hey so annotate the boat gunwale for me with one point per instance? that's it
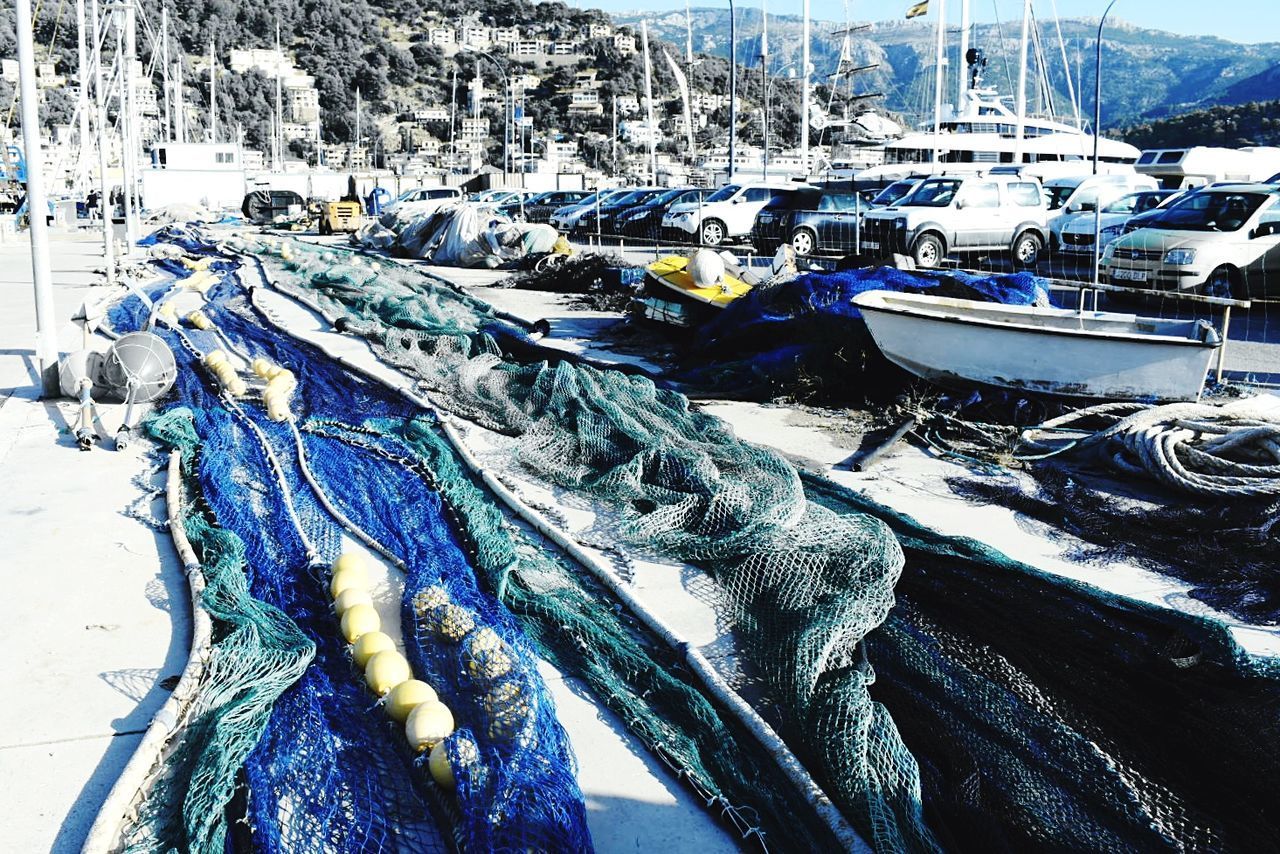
(924, 313)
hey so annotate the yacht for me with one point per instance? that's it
(983, 133)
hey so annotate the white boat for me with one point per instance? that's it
(1090, 354)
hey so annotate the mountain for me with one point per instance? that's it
(1234, 126)
(1147, 74)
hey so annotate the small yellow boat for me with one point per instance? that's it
(672, 273)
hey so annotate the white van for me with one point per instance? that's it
(1083, 193)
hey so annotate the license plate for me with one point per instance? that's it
(870, 244)
(1129, 275)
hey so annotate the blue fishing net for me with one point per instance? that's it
(330, 771)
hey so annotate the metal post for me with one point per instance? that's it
(733, 88)
(129, 159)
(1097, 121)
(648, 99)
(962, 75)
(1222, 348)
(37, 204)
(213, 92)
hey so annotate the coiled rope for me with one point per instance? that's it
(1193, 447)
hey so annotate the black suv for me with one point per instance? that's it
(645, 220)
(812, 221)
(539, 208)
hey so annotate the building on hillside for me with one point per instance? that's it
(442, 36)
(504, 35)
(628, 105)
(597, 31)
(640, 132)
(304, 105)
(431, 114)
(525, 81)
(475, 129)
(476, 37)
(624, 43)
(563, 48)
(527, 48)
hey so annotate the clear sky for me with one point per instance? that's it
(1238, 20)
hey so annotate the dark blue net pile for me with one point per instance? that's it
(331, 772)
(806, 339)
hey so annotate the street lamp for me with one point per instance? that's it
(1097, 133)
(506, 112)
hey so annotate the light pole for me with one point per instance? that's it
(37, 204)
(1097, 132)
(506, 112)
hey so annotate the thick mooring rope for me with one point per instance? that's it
(1193, 447)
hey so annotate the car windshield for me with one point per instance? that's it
(1127, 204)
(667, 196)
(724, 193)
(893, 192)
(1058, 196)
(441, 193)
(1212, 211)
(936, 193)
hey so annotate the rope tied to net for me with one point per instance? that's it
(1223, 451)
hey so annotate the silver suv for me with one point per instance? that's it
(962, 213)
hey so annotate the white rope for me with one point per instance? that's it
(1193, 447)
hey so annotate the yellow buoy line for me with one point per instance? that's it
(428, 723)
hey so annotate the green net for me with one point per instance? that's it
(802, 585)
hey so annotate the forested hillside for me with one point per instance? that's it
(1257, 123)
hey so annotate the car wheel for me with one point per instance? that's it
(804, 241)
(1026, 249)
(712, 232)
(1224, 281)
(928, 251)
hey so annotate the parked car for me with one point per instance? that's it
(645, 221)
(566, 217)
(895, 192)
(1223, 240)
(494, 196)
(1073, 235)
(813, 221)
(962, 213)
(436, 195)
(599, 218)
(727, 214)
(1085, 193)
(540, 207)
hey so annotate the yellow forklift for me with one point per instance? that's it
(344, 215)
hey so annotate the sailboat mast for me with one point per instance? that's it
(962, 63)
(804, 88)
(100, 118)
(82, 162)
(764, 81)
(167, 84)
(280, 102)
(688, 35)
(940, 59)
(213, 93)
(648, 101)
(1020, 131)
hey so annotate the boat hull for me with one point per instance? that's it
(949, 345)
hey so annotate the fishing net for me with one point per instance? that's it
(1047, 715)
(329, 771)
(806, 585)
(804, 339)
